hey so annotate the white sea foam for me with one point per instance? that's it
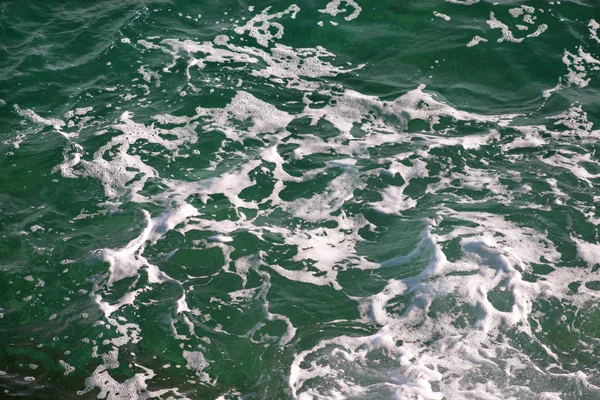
(495, 254)
(508, 35)
(333, 8)
(463, 2)
(134, 387)
(259, 27)
(440, 323)
(282, 62)
(576, 120)
(572, 162)
(264, 116)
(531, 138)
(594, 26)
(197, 362)
(442, 16)
(578, 66)
(393, 199)
(56, 123)
(588, 252)
(475, 41)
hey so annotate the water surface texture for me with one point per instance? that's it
(345, 199)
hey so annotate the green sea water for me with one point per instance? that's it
(300, 200)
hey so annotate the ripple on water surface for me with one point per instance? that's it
(347, 199)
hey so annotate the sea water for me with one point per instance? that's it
(336, 199)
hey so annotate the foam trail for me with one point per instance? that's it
(396, 209)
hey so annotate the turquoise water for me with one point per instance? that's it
(312, 200)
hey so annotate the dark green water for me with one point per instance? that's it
(310, 200)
